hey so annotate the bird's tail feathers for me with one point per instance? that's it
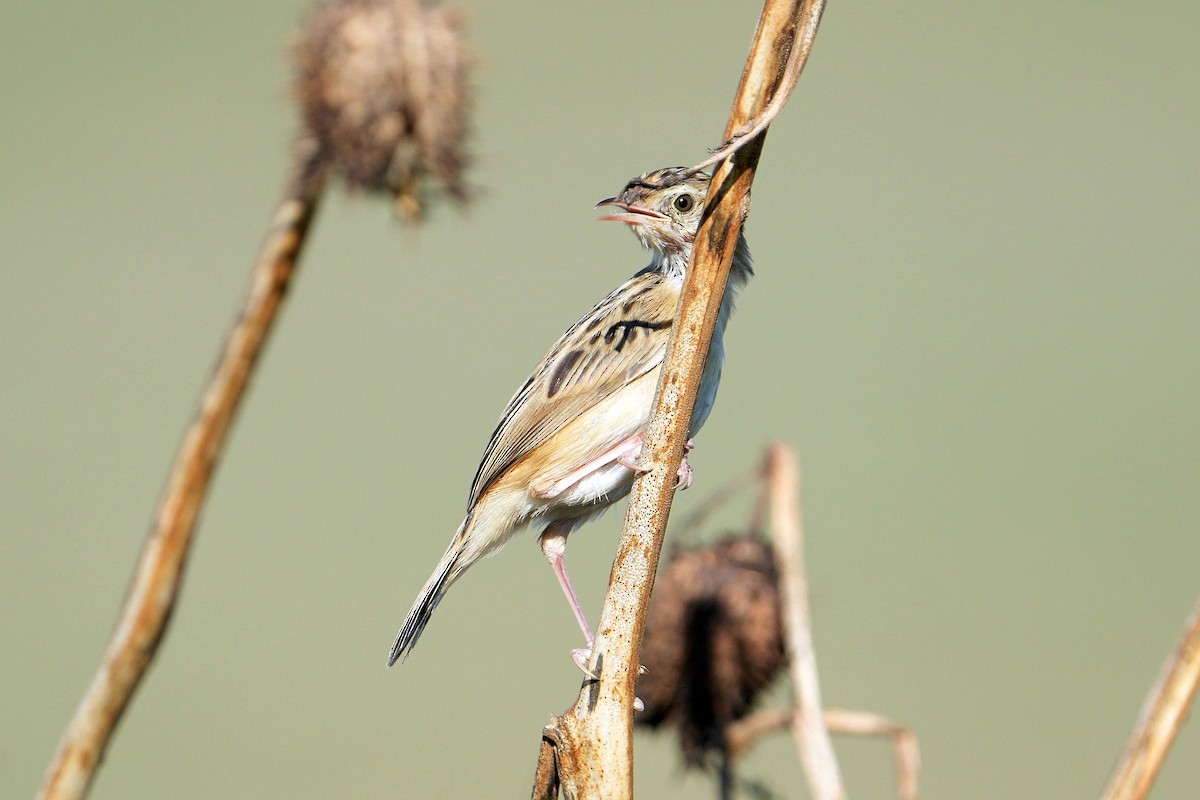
(448, 569)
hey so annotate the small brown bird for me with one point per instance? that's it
(567, 446)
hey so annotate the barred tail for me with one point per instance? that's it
(431, 595)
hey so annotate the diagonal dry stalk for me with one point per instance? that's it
(589, 749)
(156, 580)
(777, 475)
(1162, 716)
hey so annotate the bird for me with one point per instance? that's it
(567, 445)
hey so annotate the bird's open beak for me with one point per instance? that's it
(629, 213)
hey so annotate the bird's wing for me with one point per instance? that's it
(622, 338)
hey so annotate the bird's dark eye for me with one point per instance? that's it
(684, 203)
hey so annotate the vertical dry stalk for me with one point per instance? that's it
(156, 580)
(594, 739)
(1164, 713)
(808, 723)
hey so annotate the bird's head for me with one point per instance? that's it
(662, 207)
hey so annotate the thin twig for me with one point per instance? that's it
(155, 586)
(743, 734)
(1163, 714)
(808, 17)
(595, 738)
(808, 725)
(904, 743)
(718, 498)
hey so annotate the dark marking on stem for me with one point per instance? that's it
(717, 238)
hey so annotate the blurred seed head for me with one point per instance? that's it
(713, 642)
(383, 88)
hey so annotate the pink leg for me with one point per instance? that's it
(631, 453)
(624, 453)
(553, 542)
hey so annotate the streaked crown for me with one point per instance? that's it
(664, 208)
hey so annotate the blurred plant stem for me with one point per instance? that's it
(157, 577)
(588, 751)
(810, 722)
(1162, 716)
(382, 87)
(807, 722)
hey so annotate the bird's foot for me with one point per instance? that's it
(630, 462)
(685, 474)
(682, 480)
(581, 656)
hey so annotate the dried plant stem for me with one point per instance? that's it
(808, 19)
(904, 743)
(156, 581)
(594, 739)
(1163, 714)
(808, 724)
(781, 497)
(545, 777)
(741, 736)
(745, 733)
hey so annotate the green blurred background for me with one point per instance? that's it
(976, 232)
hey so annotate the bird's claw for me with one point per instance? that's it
(581, 656)
(684, 479)
(630, 463)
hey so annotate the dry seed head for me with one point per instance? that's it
(713, 641)
(383, 87)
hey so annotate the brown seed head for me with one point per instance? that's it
(713, 642)
(383, 87)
